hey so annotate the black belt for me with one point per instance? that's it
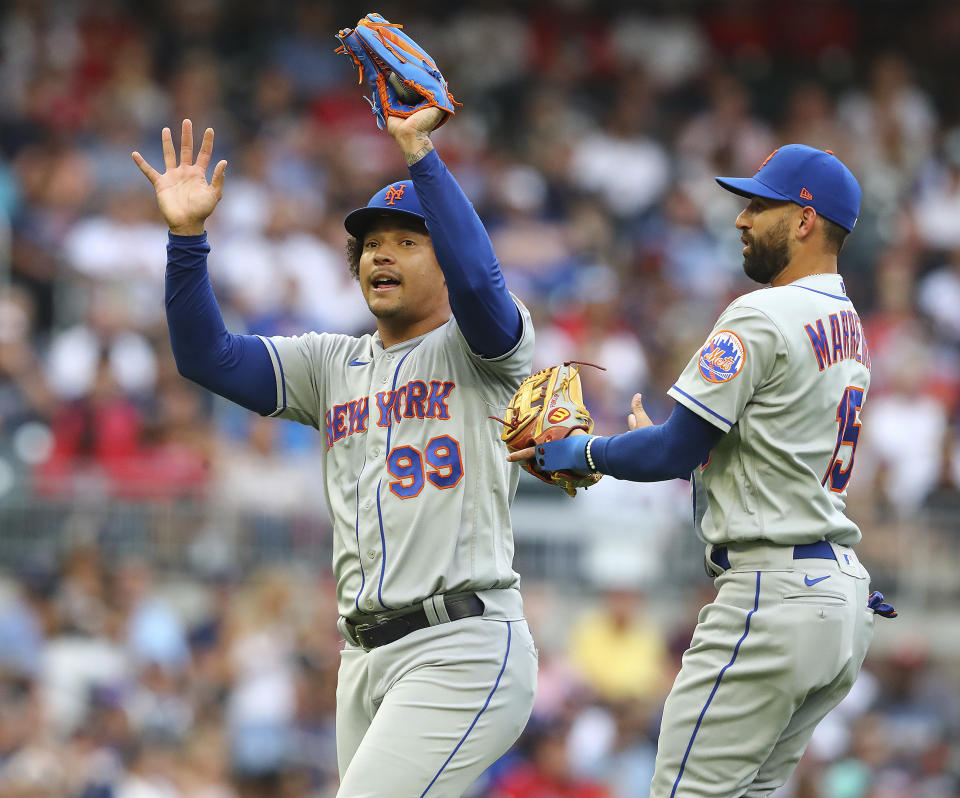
(389, 630)
(821, 550)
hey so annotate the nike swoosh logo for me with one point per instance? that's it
(808, 581)
(358, 362)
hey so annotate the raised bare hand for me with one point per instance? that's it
(185, 197)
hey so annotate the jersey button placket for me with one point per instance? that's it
(376, 441)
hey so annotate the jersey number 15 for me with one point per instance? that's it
(848, 416)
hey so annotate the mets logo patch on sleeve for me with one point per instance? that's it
(722, 357)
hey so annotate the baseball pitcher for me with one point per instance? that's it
(438, 669)
(766, 426)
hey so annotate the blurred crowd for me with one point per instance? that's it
(118, 683)
(588, 140)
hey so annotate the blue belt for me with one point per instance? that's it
(821, 550)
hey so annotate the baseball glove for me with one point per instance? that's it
(403, 77)
(548, 406)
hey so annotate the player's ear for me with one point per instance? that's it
(805, 222)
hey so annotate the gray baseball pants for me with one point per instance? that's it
(427, 714)
(777, 650)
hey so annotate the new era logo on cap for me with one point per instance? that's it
(807, 176)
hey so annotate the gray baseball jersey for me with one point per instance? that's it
(785, 373)
(419, 493)
(414, 471)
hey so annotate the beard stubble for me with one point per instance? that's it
(769, 256)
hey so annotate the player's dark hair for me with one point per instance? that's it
(834, 235)
(354, 250)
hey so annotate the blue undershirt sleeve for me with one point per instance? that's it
(485, 312)
(650, 454)
(236, 367)
(671, 450)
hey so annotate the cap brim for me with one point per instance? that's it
(359, 220)
(750, 187)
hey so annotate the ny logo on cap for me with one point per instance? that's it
(394, 193)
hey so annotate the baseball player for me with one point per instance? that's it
(438, 670)
(766, 426)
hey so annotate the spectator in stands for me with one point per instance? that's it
(620, 651)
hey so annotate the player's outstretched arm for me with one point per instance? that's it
(647, 453)
(486, 313)
(236, 367)
(410, 98)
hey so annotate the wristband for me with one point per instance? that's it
(589, 456)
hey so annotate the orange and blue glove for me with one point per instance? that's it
(403, 76)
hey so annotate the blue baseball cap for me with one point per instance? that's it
(396, 199)
(806, 176)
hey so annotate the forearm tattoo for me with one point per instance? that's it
(423, 146)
